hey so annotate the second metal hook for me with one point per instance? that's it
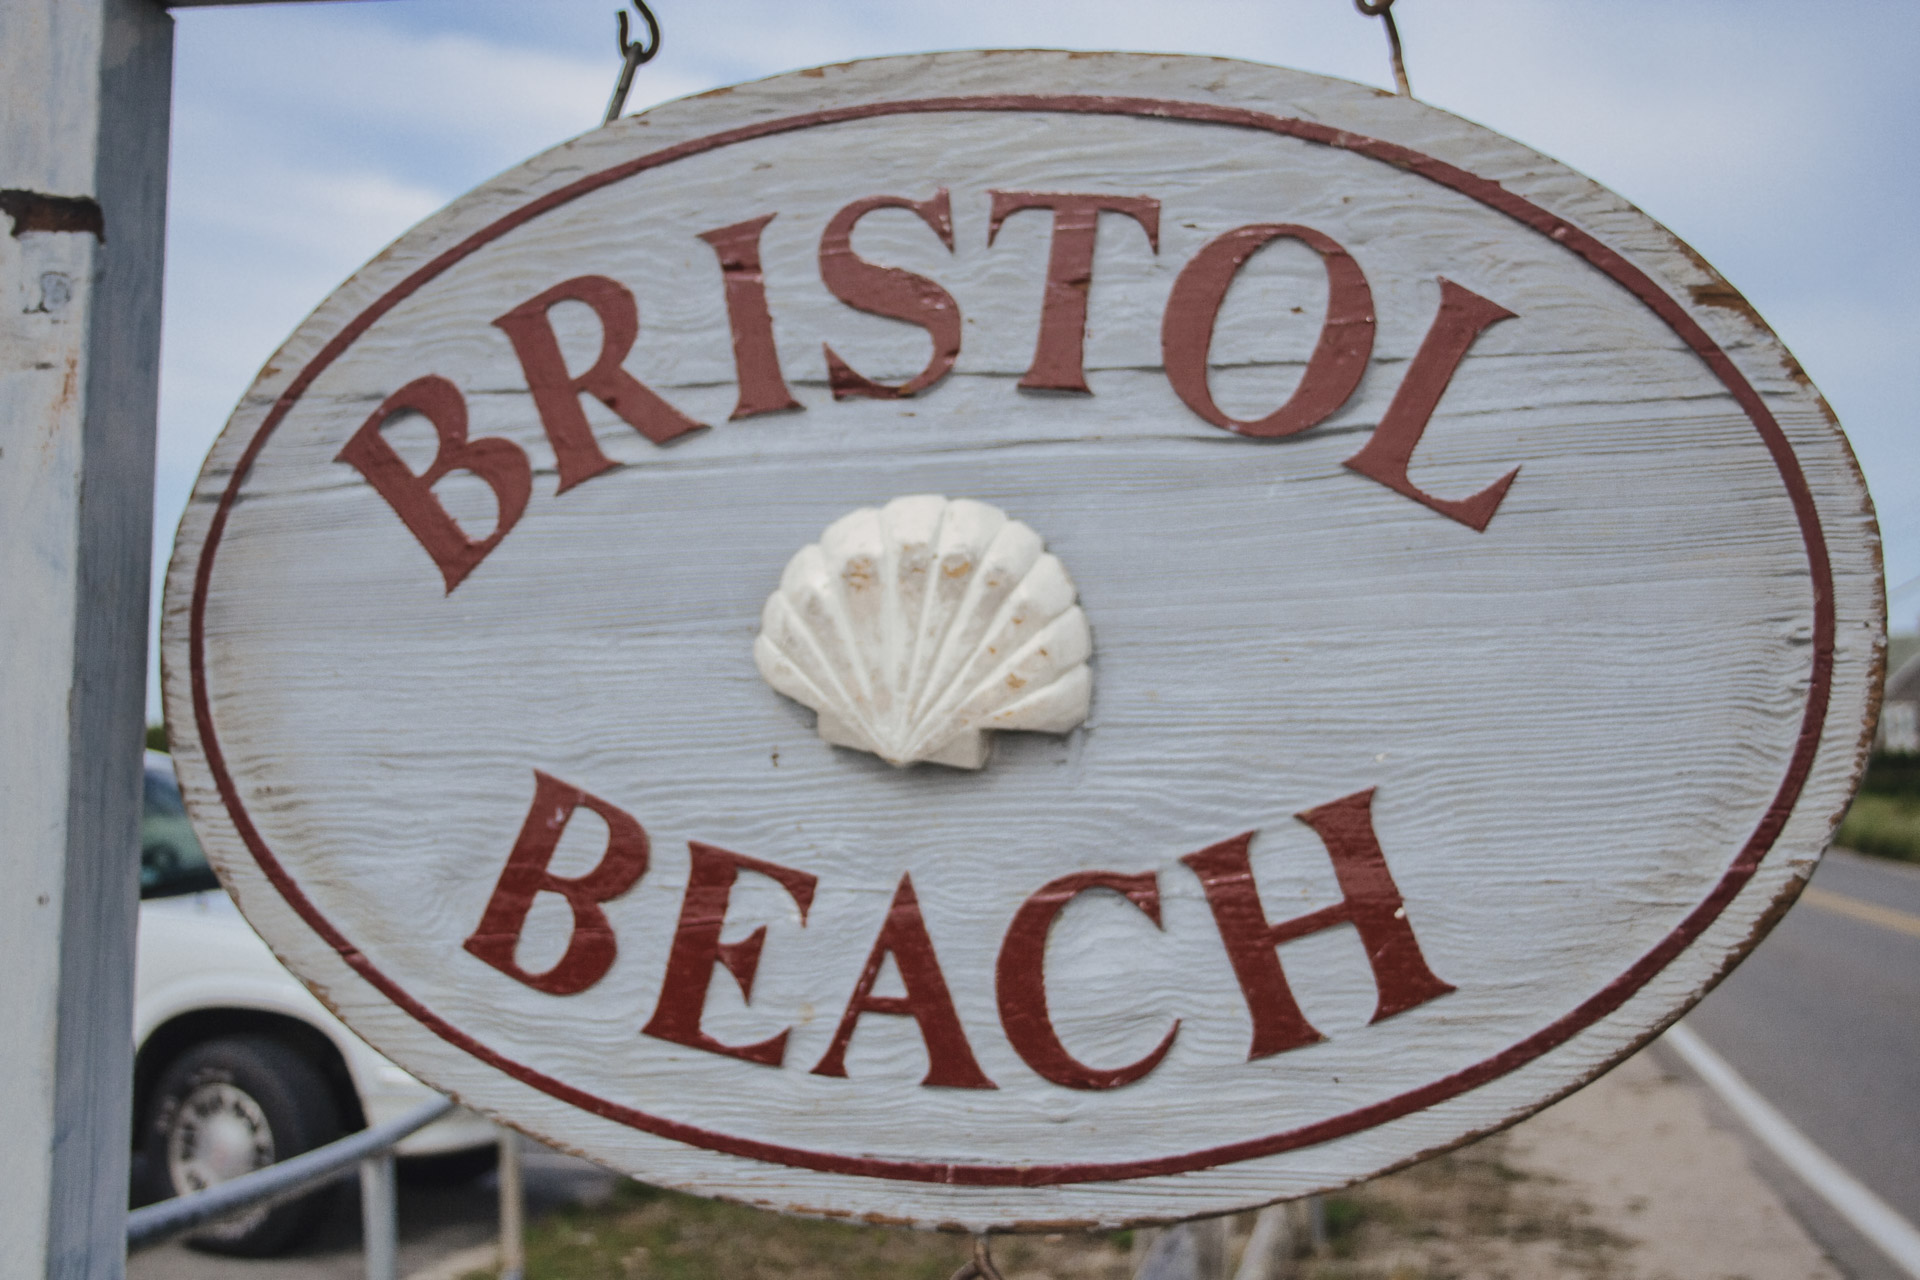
(980, 1266)
(632, 53)
(1383, 10)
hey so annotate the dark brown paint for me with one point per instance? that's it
(1338, 361)
(500, 463)
(950, 1061)
(591, 950)
(1020, 981)
(556, 393)
(697, 949)
(756, 360)
(1463, 316)
(892, 292)
(1370, 902)
(37, 211)
(1059, 353)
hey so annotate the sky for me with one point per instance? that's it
(1776, 137)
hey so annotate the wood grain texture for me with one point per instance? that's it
(1574, 723)
(84, 89)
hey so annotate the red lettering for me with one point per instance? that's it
(950, 1061)
(697, 949)
(890, 292)
(1059, 355)
(1337, 363)
(1370, 902)
(556, 393)
(500, 463)
(591, 949)
(1020, 981)
(1463, 316)
(756, 361)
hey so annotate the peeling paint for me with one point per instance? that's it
(37, 211)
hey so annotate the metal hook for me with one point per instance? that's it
(633, 54)
(1383, 9)
(980, 1265)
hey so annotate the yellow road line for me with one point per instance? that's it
(1886, 917)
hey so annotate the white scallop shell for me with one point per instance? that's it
(915, 628)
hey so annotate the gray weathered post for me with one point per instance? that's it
(513, 1206)
(379, 1216)
(85, 86)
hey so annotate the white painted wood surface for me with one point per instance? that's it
(83, 114)
(1571, 723)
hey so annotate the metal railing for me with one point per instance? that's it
(372, 1151)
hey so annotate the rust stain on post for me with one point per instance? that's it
(35, 211)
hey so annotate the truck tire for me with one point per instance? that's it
(225, 1107)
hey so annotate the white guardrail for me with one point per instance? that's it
(1866, 1212)
(371, 1150)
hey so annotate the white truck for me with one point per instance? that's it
(236, 1065)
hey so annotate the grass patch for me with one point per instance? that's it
(1885, 817)
(1883, 825)
(643, 1233)
(1886, 814)
(1344, 1215)
(1466, 1215)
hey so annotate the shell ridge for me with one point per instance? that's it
(911, 553)
(837, 642)
(1060, 648)
(957, 677)
(952, 601)
(891, 575)
(930, 678)
(784, 675)
(857, 561)
(915, 625)
(787, 633)
(929, 597)
(1027, 595)
(822, 617)
(1058, 707)
(968, 627)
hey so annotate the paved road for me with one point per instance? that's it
(1824, 1020)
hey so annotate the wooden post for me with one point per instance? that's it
(513, 1206)
(84, 87)
(380, 1216)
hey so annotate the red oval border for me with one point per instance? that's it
(1487, 192)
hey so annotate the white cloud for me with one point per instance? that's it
(311, 213)
(1770, 134)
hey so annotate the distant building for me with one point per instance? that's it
(1900, 710)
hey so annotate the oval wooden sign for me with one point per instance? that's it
(999, 639)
